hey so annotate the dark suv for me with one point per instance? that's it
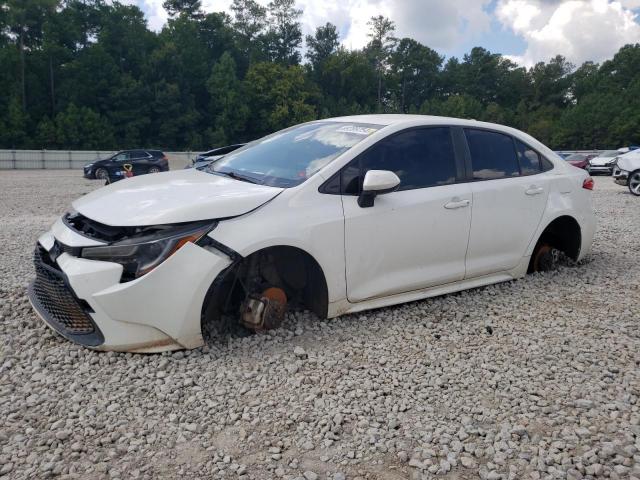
(142, 161)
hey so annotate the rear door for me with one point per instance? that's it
(510, 191)
(141, 161)
(415, 237)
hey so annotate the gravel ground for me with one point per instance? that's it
(537, 378)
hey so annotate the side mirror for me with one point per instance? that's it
(377, 182)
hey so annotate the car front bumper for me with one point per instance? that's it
(600, 168)
(87, 173)
(85, 301)
(621, 177)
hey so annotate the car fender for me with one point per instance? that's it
(300, 218)
(567, 197)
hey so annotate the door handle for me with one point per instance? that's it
(534, 190)
(456, 203)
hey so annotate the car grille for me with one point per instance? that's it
(53, 298)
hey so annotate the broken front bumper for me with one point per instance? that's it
(621, 177)
(157, 312)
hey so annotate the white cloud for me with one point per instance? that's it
(578, 29)
(154, 13)
(439, 24)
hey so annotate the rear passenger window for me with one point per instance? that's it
(530, 162)
(493, 155)
(546, 164)
(421, 158)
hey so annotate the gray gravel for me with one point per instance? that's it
(423, 390)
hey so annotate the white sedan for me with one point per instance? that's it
(333, 216)
(604, 162)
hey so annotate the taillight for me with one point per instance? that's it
(588, 183)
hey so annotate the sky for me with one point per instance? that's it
(527, 31)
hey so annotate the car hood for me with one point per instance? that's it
(629, 162)
(172, 197)
(599, 161)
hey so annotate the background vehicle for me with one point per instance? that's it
(143, 161)
(627, 171)
(203, 159)
(579, 160)
(604, 162)
(330, 216)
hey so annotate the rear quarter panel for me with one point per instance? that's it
(567, 197)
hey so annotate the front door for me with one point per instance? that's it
(416, 237)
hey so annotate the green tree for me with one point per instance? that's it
(227, 103)
(46, 135)
(189, 8)
(381, 47)
(415, 71)
(278, 97)
(322, 45)
(25, 19)
(82, 128)
(15, 134)
(249, 22)
(284, 34)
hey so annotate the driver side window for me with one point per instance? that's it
(421, 158)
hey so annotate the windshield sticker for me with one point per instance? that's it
(357, 130)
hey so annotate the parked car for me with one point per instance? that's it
(142, 161)
(604, 162)
(627, 171)
(204, 159)
(579, 160)
(333, 216)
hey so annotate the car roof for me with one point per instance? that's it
(400, 120)
(387, 119)
(393, 119)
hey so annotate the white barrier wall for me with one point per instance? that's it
(69, 159)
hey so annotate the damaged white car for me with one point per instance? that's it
(627, 171)
(333, 216)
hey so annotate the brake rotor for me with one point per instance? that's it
(546, 258)
(265, 311)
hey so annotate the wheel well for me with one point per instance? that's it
(289, 268)
(564, 234)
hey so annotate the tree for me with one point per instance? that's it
(250, 18)
(348, 82)
(551, 82)
(381, 46)
(278, 97)
(228, 107)
(189, 8)
(322, 45)
(25, 19)
(416, 69)
(15, 135)
(71, 68)
(284, 35)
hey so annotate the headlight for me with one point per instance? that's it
(142, 253)
(612, 162)
(88, 165)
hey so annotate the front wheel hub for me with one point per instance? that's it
(265, 311)
(546, 258)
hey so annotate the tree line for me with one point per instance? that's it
(87, 74)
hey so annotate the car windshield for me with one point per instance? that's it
(575, 157)
(609, 154)
(289, 157)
